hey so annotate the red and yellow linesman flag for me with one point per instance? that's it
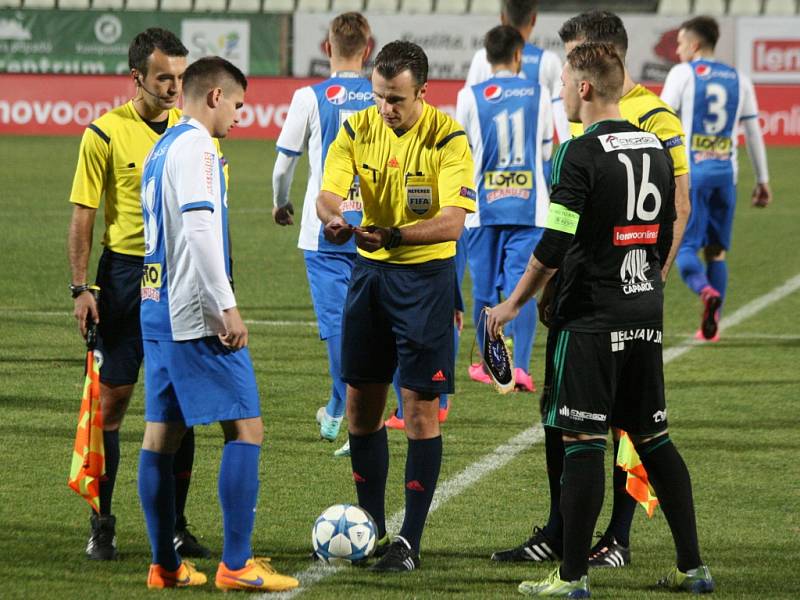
(88, 455)
(637, 485)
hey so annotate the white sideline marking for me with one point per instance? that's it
(504, 453)
(454, 486)
(59, 313)
(738, 316)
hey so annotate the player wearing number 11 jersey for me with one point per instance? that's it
(510, 128)
(712, 99)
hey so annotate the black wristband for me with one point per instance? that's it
(77, 290)
(395, 238)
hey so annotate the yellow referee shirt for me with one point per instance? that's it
(403, 179)
(110, 161)
(646, 110)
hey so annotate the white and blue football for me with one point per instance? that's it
(344, 534)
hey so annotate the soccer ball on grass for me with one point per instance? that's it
(344, 534)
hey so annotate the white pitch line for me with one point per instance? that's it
(738, 316)
(58, 313)
(504, 453)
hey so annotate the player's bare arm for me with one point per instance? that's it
(337, 230)
(79, 244)
(682, 209)
(534, 279)
(444, 227)
(236, 335)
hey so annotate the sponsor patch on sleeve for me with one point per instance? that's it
(560, 218)
(467, 193)
(673, 142)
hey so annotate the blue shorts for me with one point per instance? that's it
(198, 382)
(119, 335)
(498, 256)
(400, 317)
(328, 277)
(711, 219)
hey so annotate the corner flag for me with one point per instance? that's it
(88, 455)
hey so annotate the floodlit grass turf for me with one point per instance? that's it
(732, 407)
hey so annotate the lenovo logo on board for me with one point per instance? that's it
(776, 56)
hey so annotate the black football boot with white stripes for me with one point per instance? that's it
(398, 558)
(609, 553)
(537, 548)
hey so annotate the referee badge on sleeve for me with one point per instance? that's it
(419, 194)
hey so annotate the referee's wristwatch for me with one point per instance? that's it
(395, 238)
(77, 290)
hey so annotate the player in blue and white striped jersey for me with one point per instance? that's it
(314, 118)
(538, 64)
(713, 99)
(509, 124)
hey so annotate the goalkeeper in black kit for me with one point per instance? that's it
(608, 234)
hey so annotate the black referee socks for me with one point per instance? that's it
(369, 456)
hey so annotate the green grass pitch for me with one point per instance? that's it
(733, 414)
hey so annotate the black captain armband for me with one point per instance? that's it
(552, 248)
(395, 238)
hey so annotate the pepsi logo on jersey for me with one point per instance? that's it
(702, 70)
(495, 93)
(338, 95)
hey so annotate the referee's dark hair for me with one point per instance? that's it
(519, 13)
(596, 26)
(145, 43)
(601, 65)
(400, 55)
(501, 42)
(705, 28)
(211, 72)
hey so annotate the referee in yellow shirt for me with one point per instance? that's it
(415, 172)
(646, 110)
(110, 161)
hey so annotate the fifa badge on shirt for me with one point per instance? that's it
(419, 195)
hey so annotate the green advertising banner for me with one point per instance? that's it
(96, 42)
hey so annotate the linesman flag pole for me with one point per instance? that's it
(88, 455)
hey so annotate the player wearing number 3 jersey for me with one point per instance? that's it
(712, 99)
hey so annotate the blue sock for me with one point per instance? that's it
(717, 271)
(396, 386)
(336, 404)
(157, 494)
(478, 320)
(111, 445)
(692, 271)
(238, 493)
(524, 332)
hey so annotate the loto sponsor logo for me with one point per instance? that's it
(633, 272)
(630, 235)
(612, 142)
(499, 180)
(776, 56)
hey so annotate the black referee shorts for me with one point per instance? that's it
(400, 316)
(607, 379)
(119, 335)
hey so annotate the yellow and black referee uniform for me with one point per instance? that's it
(399, 308)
